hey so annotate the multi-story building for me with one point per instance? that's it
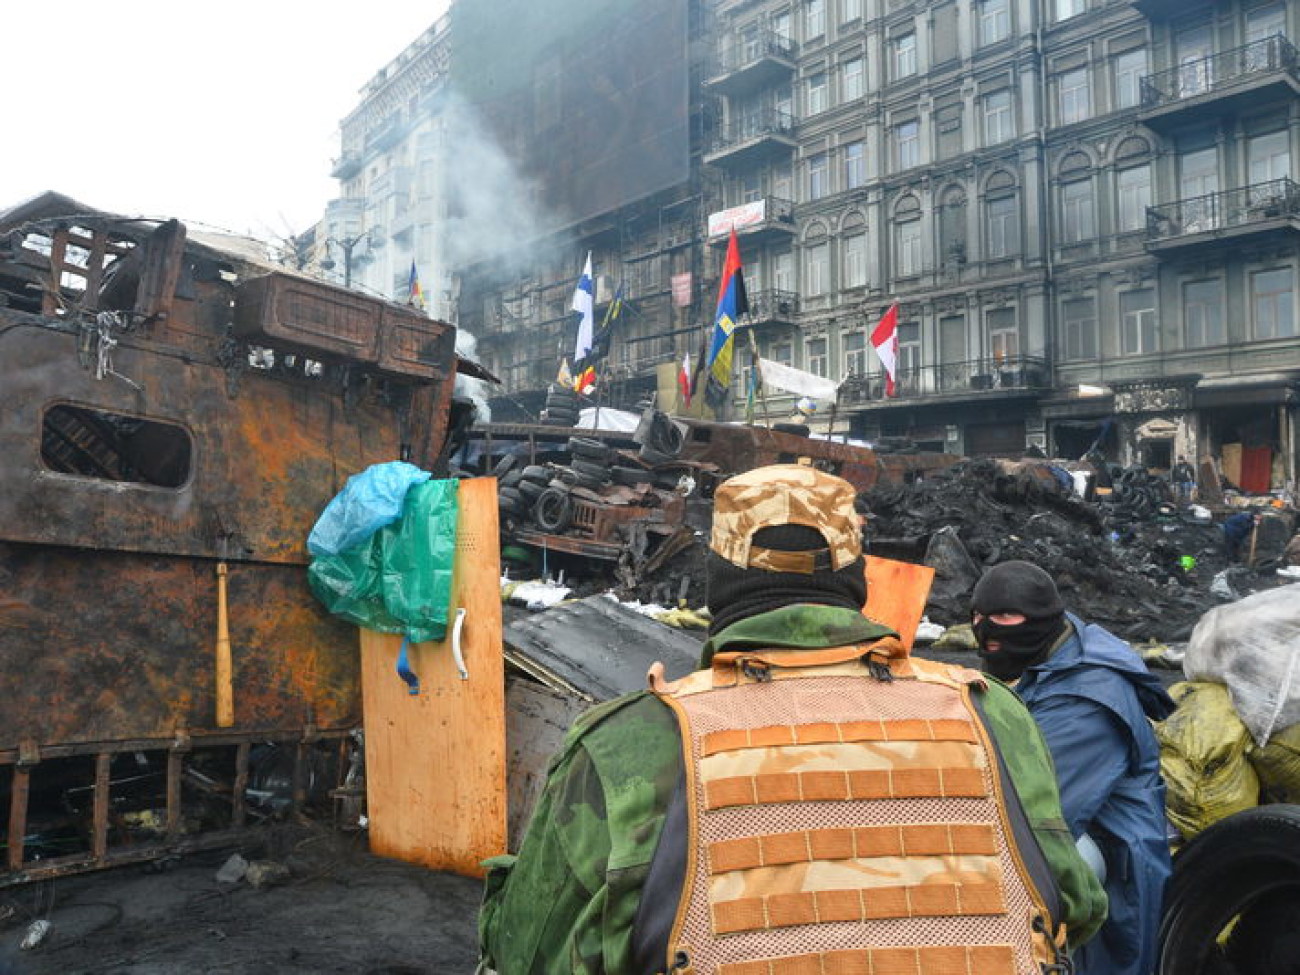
(391, 205)
(1084, 210)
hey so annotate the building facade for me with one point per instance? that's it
(1085, 211)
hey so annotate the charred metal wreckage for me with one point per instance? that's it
(177, 412)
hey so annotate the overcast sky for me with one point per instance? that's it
(223, 114)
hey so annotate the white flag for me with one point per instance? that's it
(584, 301)
(797, 381)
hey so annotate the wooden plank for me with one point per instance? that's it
(99, 822)
(19, 789)
(436, 761)
(536, 721)
(896, 594)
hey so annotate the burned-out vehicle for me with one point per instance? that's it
(176, 413)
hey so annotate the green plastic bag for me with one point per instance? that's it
(399, 579)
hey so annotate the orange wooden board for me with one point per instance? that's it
(436, 761)
(896, 594)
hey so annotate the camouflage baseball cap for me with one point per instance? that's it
(786, 494)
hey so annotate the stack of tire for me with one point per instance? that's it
(518, 489)
(561, 407)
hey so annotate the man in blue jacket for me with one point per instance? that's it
(1092, 697)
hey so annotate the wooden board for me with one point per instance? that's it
(436, 761)
(896, 594)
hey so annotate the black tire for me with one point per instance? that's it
(630, 476)
(798, 429)
(592, 450)
(655, 457)
(1251, 858)
(1267, 938)
(591, 469)
(511, 479)
(504, 465)
(510, 497)
(531, 490)
(536, 472)
(553, 511)
(588, 482)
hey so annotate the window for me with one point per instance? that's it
(817, 357)
(1079, 325)
(998, 124)
(855, 354)
(1203, 313)
(907, 145)
(851, 10)
(783, 271)
(1003, 231)
(1004, 336)
(818, 170)
(909, 355)
(1137, 316)
(1065, 9)
(995, 21)
(1194, 47)
(781, 25)
(1272, 303)
(1077, 212)
(1127, 70)
(907, 246)
(817, 93)
(817, 268)
(87, 442)
(750, 188)
(855, 165)
(1074, 99)
(1133, 196)
(904, 49)
(855, 260)
(852, 79)
(1269, 157)
(815, 18)
(783, 182)
(952, 228)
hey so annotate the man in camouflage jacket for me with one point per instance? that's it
(787, 577)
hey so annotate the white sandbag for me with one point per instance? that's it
(1253, 646)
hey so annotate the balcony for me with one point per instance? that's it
(772, 309)
(1230, 81)
(347, 165)
(977, 378)
(752, 137)
(753, 62)
(757, 221)
(1272, 207)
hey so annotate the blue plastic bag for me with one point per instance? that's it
(369, 501)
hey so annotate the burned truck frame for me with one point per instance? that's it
(176, 414)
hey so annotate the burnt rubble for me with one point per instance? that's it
(1121, 562)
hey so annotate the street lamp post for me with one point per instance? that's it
(347, 244)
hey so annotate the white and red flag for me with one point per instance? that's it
(684, 379)
(884, 339)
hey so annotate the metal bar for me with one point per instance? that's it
(174, 763)
(99, 825)
(18, 791)
(198, 739)
(299, 779)
(238, 814)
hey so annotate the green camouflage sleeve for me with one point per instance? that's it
(1083, 899)
(567, 902)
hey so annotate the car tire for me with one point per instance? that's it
(535, 472)
(553, 510)
(592, 450)
(599, 472)
(1249, 860)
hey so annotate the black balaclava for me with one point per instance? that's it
(1017, 587)
(736, 593)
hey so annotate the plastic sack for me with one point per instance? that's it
(369, 501)
(1278, 766)
(1250, 646)
(1203, 747)
(399, 579)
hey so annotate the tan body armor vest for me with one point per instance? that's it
(841, 824)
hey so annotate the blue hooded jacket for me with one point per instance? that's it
(1092, 698)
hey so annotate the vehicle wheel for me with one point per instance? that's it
(1225, 871)
(1267, 938)
(630, 476)
(553, 510)
(531, 490)
(509, 497)
(504, 465)
(509, 479)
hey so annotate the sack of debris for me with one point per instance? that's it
(1250, 646)
(1203, 747)
(1278, 766)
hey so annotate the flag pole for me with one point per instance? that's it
(762, 388)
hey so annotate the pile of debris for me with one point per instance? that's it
(1144, 574)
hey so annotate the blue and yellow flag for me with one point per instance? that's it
(732, 303)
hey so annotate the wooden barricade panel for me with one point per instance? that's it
(436, 761)
(897, 593)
